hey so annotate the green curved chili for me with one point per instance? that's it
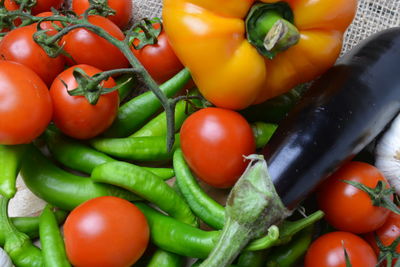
(183, 239)
(81, 157)
(10, 159)
(146, 185)
(146, 148)
(51, 241)
(18, 245)
(207, 209)
(134, 113)
(60, 188)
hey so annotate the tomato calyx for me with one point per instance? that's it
(380, 195)
(99, 7)
(346, 256)
(145, 32)
(92, 87)
(388, 252)
(26, 4)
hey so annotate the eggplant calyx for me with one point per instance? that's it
(380, 195)
(253, 206)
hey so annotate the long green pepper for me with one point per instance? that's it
(134, 113)
(18, 245)
(145, 148)
(287, 255)
(162, 258)
(146, 185)
(81, 157)
(60, 188)
(10, 161)
(30, 225)
(206, 208)
(183, 239)
(51, 241)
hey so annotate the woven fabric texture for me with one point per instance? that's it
(372, 16)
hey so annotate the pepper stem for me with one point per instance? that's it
(281, 36)
(270, 28)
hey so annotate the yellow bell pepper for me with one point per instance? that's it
(294, 41)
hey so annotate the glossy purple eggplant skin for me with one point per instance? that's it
(342, 112)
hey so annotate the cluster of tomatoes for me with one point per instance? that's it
(368, 233)
(34, 85)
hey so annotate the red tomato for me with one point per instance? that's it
(123, 10)
(348, 208)
(74, 115)
(86, 47)
(48, 25)
(41, 5)
(18, 45)
(25, 104)
(214, 141)
(106, 232)
(159, 59)
(387, 234)
(328, 251)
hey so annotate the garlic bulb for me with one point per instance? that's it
(5, 260)
(387, 154)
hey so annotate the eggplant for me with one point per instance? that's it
(342, 112)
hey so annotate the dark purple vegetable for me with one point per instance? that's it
(341, 113)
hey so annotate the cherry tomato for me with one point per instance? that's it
(348, 208)
(48, 25)
(159, 59)
(106, 232)
(328, 251)
(123, 10)
(18, 45)
(74, 115)
(387, 234)
(25, 104)
(41, 5)
(86, 47)
(214, 141)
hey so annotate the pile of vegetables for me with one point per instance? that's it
(127, 175)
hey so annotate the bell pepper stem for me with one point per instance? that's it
(270, 29)
(281, 36)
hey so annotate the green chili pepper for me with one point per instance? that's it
(246, 259)
(252, 258)
(289, 254)
(126, 83)
(146, 185)
(263, 132)
(30, 225)
(158, 125)
(183, 239)
(275, 109)
(10, 159)
(206, 208)
(146, 148)
(51, 241)
(18, 245)
(163, 258)
(60, 188)
(134, 113)
(78, 156)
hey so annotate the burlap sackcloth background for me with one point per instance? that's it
(372, 16)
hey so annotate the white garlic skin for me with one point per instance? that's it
(5, 260)
(387, 154)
